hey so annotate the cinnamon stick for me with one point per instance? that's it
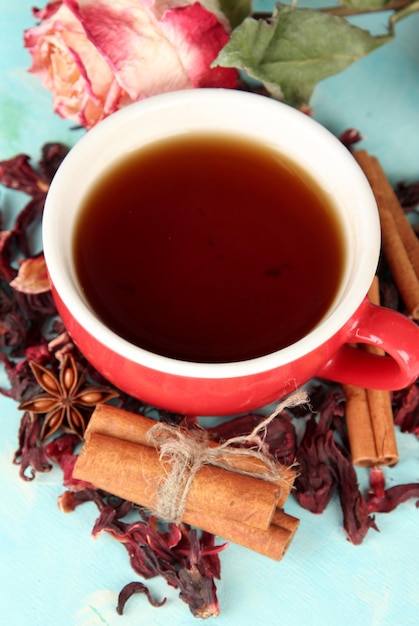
(358, 423)
(399, 241)
(379, 402)
(108, 420)
(136, 473)
(400, 266)
(272, 543)
(283, 520)
(386, 198)
(369, 416)
(133, 471)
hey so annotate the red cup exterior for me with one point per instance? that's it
(332, 360)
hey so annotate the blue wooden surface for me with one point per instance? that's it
(53, 574)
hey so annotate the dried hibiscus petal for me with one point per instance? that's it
(17, 173)
(389, 294)
(61, 451)
(28, 216)
(408, 196)
(52, 155)
(197, 589)
(70, 500)
(356, 518)
(325, 465)
(197, 577)
(350, 137)
(377, 481)
(393, 496)
(61, 447)
(406, 409)
(198, 592)
(186, 561)
(34, 308)
(381, 500)
(12, 327)
(19, 374)
(133, 588)
(7, 240)
(145, 545)
(30, 455)
(316, 481)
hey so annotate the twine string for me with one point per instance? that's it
(187, 451)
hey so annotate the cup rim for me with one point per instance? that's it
(63, 283)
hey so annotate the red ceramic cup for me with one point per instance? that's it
(227, 388)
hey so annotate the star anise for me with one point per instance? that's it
(64, 398)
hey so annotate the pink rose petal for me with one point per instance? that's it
(32, 277)
(96, 56)
(198, 36)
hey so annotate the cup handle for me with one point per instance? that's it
(391, 331)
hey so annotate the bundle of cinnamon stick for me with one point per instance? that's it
(233, 501)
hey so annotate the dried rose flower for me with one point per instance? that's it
(97, 57)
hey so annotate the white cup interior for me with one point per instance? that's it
(274, 124)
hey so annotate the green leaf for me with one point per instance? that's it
(294, 50)
(236, 10)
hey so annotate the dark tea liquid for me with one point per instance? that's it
(208, 248)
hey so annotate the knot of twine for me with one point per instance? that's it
(188, 451)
